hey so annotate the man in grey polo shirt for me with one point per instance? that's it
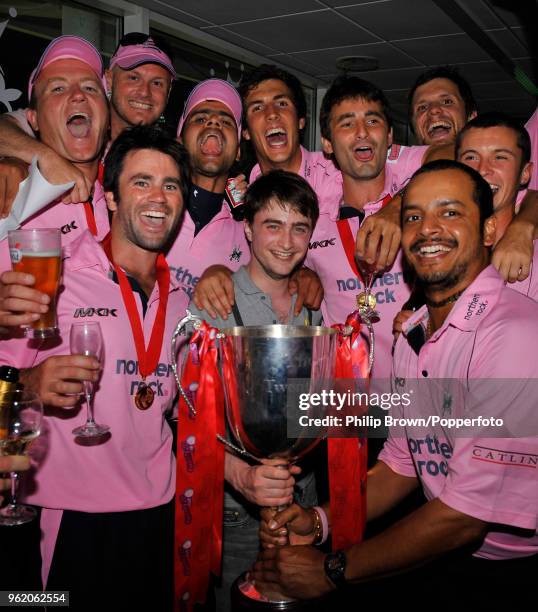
(281, 210)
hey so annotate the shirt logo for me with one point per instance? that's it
(236, 254)
(65, 229)
(321, 244)
(475, 307)
(90, 312)
(505, 457)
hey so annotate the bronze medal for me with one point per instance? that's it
(144, 397)
(366, 300)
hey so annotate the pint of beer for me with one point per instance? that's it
(38, 252)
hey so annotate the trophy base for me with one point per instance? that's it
(246, 597)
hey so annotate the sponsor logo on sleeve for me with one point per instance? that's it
(504, 457)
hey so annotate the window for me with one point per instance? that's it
(31, 25)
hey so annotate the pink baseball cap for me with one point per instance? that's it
(142, 50)
(68, 47)
(218, 90)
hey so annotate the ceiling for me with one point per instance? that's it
(485, 39)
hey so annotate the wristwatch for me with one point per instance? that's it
(335, 566)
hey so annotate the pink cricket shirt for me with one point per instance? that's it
(326, 255)
(221, 241)
(135, 468)
(491, 333)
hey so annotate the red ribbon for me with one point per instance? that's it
(200, 472)
(147, 359)
(88, 208)
(90, 218)
(348, 457)
(348, 242)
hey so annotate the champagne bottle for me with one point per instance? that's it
(9, 382)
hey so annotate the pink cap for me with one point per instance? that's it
(131, 56)
(68, 47)
(218, 90)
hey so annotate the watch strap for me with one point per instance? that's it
(335, 567)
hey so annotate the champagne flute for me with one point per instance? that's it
(21, 414)
(87, 339)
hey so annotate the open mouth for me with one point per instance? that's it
(432, 250)
(211, 144)
(364, 153)
(79, 125)
(494, 188)
(439, 129)
(143, 106)
(276, 137)
(154, 218)
(283, 255)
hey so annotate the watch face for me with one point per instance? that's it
(334, 563)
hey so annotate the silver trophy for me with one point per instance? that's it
(268, 366)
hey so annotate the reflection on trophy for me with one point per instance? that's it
(263, 370)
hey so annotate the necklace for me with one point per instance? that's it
(449, 300)
(429, 329)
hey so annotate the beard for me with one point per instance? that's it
(444, 280)
(157, 244)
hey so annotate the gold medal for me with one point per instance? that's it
(144, 396)
(366, 300)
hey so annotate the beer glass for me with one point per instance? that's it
(38, 252)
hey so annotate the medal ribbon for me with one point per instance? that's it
(90, 218)
(348, 242)
(88, 208)
(200, 473)
(348, 457)
(147, 359)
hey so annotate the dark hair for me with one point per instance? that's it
(482, 194)
(350, 87)
(265, 72)
(450, 73)
(139, 38)
(145, 137)
(284, 188)
(496, 119)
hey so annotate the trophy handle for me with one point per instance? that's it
(180, 331)
(239, 450)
